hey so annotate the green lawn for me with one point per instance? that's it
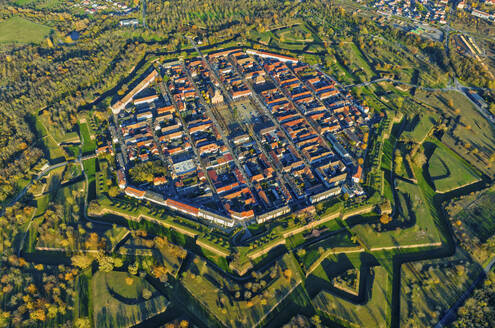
(371, 314)
(89, 144)
(354, 55)
(419, 126)
(342, 239)
(90, 170)
(55, 152)
(419, 210)
(320, 278)
(295, 34)
(297, 38)
(118, 304)
(20, 30)
(467, 125)
(447, 170)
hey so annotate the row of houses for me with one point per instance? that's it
(289, 152)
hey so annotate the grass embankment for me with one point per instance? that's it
(40, 4)
(371, 314)
(90, 171)
(419, 126)
(447, 170)
(55, 153)
(419, 219)
(120, 300)
(56, 132)
(206, 285)
(297, 38)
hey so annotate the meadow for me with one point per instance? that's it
(20, 30)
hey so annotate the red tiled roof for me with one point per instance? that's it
(131, 191)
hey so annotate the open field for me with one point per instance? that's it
(312, 253)
(20, 30)
(320, 278)
(357, 61)
(295, 34)
(55, 152)
(468, 133)
(447, 171)
(118, 304)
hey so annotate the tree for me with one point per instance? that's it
(52, 311)
(146, 294)
(105, 263)
(129, 281)
(133, 268)
(81, 261)
(82, 323)
(160, 272)
(113, 191)
(451, 103)
(288, 274)
(117, 262)
(316, 321)
(385, 218)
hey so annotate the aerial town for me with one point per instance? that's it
(247, 164)
(244, 136)
(430, 11)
